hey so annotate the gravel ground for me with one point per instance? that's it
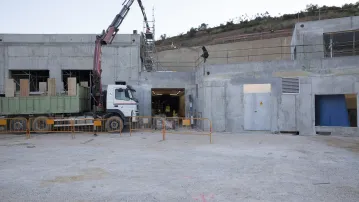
(236, 167)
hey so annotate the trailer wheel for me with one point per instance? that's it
(114, 124)
(18, 125)
(39, 125)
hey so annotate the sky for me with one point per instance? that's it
(172, 17)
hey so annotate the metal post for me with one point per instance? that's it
(163, 130)
(210, 132)
(28, 129)
(73, 129)
(331, 47)
(227, 55)
(130, 127)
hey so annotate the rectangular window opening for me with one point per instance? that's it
(81, 76)
(34, 77)
(339, 44)
(336, 110)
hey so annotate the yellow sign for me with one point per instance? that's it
(261, 103)
(3, 122)
(50, 121)
(97, 123)
(186, 122)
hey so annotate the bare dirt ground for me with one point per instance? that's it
(236, 167)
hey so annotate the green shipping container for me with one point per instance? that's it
(62, 104)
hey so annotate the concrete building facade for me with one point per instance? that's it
(285, 100)
(120, 61)
(316, 73)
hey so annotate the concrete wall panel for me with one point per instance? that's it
(332, 85)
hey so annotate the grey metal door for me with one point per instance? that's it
(257, 114)
(218, 110)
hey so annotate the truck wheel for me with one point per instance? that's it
(39, 125)
(114, 124)
(18, 125)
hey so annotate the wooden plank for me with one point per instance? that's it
(84, 83)
(71, 86)
(24, 88)
(10, 88)
(43, 87)
(51, 86)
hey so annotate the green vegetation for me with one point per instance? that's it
(262, 22)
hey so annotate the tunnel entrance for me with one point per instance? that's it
(168, 102)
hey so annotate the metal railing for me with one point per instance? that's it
(163, 125)
(269, 53)
(173, 125)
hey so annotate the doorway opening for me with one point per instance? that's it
(169, 102)
(82, 76)
(336, 110)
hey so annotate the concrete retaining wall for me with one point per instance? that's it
(289, 112)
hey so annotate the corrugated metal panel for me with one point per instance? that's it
(290, 85)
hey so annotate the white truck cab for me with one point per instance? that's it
(120, 100)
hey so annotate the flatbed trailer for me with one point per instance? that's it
(63, 111)
(46, 105)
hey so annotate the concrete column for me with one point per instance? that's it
(146, 100)
(305, 120)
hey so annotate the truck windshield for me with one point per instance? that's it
(124, 94)
(121, 94)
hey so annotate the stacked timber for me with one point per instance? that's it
(45, 88)
(51, 86)
(71, 86)
(10, 88)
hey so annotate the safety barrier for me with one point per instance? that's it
(148, 124)
(43, 124)
(173, 125)
(190, 126)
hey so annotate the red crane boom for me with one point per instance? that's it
(106, 38)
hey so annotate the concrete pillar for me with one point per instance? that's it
(305, 120)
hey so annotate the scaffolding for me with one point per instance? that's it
(149, 56)
(80, 75)
(34, 77)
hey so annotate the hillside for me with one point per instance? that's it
(259, 26)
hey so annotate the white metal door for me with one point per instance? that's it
(257, 114)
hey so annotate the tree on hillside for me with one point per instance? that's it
(202, 27)
(163, 36)
(192, 32)
(312, 8)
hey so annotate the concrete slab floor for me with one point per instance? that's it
(236, 167)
